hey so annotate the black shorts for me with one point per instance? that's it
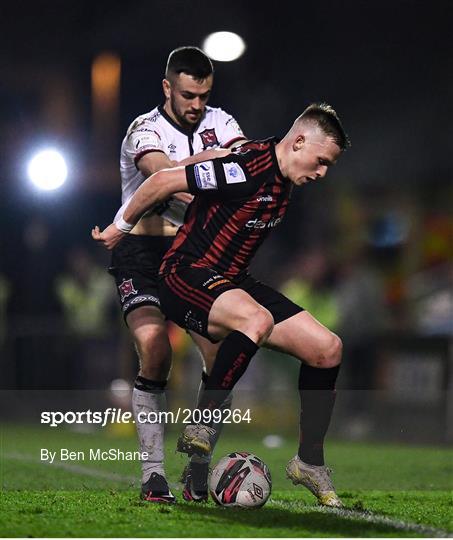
(187, 296)
(135, 267)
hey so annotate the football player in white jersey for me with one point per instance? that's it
(168, 135)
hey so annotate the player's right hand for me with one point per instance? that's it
(109, 237)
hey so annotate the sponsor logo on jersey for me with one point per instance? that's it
(215, 281)
(172, 147)
(205, 175)
(258, 224)
(146, 129)
(234, 125)
(233, 173)
(126, 289)
(209, 138)
(265, 198)
(211, 279)
(151, 139)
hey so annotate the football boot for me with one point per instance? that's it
(196, 439)
(195, 480)
(156, 490)
(316, 478)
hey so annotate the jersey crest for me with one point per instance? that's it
(126, 289)
(209, 138)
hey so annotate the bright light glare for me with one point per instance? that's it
(47, 170)
(224, 46)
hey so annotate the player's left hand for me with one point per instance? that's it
(109, 237)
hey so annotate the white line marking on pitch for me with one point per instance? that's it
(377, 519)
(76, 469)
(80, 469)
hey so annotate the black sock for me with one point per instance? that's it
(317, 398)
(147, 385)
(230, 364)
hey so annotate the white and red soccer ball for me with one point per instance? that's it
(240, 479)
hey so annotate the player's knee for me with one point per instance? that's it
(260, 322)
(331, 353)
(153, 346)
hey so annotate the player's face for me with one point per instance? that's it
(313, 153)
(187, 98)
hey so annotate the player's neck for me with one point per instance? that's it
(167, 108)
(279, 153)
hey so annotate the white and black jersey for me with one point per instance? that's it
(155, 131)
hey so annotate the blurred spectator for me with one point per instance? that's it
(86, 295)
(363, 315)
(430, 295)
(310, 285)
(431, 299)
(87, 299)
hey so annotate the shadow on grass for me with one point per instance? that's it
(301, 519)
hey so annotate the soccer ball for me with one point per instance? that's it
(240, 479)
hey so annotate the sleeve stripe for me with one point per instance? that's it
(232, 141)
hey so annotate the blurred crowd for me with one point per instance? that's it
(365, 266)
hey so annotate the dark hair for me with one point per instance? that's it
(189, 60)
(327, 119)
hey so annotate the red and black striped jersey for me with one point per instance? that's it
(238, 200)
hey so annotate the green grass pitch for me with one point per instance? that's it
(388, 491)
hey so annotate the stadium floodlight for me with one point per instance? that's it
(47, 170)
(224, 46)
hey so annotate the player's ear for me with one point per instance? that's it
(166, 88)
(299, 141)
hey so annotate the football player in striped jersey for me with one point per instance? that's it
(205, 284)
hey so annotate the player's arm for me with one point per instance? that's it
(224, 175)
(206, 155)
(196, 158)
(153, 162)
(156, 161)
(154, 190)
(227, 177)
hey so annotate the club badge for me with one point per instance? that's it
(209, 138)
(126, 289)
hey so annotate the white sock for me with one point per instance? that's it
(150, 435)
